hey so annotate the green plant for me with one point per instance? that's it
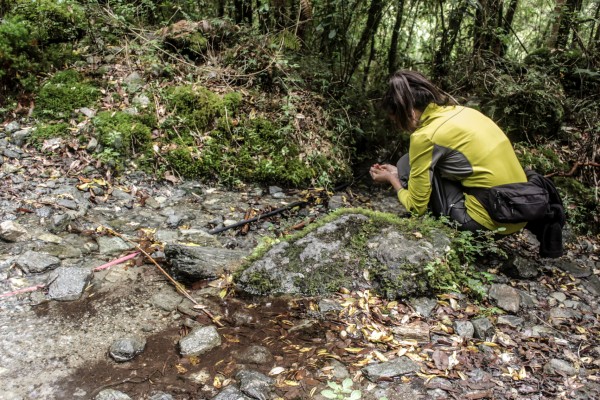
(65, 92)
(48, 131)
(343, 391)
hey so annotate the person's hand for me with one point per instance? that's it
(383, 173)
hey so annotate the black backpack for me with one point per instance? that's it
(536, 202)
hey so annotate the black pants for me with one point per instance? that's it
(447, 197)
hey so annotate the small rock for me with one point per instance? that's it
(126, 349)
(111, 394)
(390, 369)
(68, 283)
(255, 355)
(141, 100)
(161, 396)
(134, 82)
(560, 296)
(201, 377)
(92, 145)
(274, 190)
(12, 126)
(423, 305)
(335, 202)
(559, 367)
(418, 331)
(166, 300)
(20, 137)
(88, 112)
(510, 320)
(340, 372)
(243, 318)
(327, 305)
(254, 384)
(199, 341)
(231, 393)
(110, 245)
(66, 203)
(520, 267)
(437, 394)
(11, 231)
(592, 284)
(506, 297)
(464, 329)
(8, 153)
(483, 328)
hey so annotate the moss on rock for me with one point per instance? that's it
(65, 92)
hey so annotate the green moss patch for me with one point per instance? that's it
(64, 93)
(48, 131)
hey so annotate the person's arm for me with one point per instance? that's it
(416, 197)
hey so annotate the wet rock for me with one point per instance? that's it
(390, 369)
(559, 367)
(111, 245)
(254, 384)
(12, 231)
(483, 328)
(231, 393)
(506, 297)
(126, 349)
(423, 305)
(111, 394)
(68, 283)
(510, 320)
(464, 329)
(255, 355)
(193, 263)
(34, 262)
(576, 269)
(520, 267)
(199, 341)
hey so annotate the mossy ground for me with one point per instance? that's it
(63, 93)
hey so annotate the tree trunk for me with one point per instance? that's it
(243, 11)
(506, 26)
(449, 35)
(372, 53)
(393, 52)
(374, 18)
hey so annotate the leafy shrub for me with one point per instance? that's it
(34, 37)
(65, 92)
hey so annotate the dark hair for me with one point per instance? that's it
(407, 91)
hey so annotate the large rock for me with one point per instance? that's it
(193, 263)
(34, 262)
(390, 369)
(126, 349)
(11, 231)
(338, 253)
(506, 297)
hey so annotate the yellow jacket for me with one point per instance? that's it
(460, 144)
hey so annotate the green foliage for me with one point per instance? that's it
(343, 391)
(529, 107)
(65, 92)
(35, 36)
(456, 270)
(193, 109)
(123, 136)
(48, 131)
(543, 159)
(581, 205)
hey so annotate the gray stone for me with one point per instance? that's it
(254, 384)
(559, 367)
(111, 394)
(464, 329)
(20, 137)
(571, 267)
(510, 320)
(423, 305)
(34, 262)
(483, 328)
(255, 355)
(592, 284)
(161, 396)
(563, 315)
(390, 369)
(12, 126)
(274, 189)
(231, 393)
(520, 267)
(340, 372)
(92, 145)
(69, 204)
(527, 300)
(111, 245)
(166, 300)
(121, 195)
(199, 341)
(88, 112)
(437, 394)
(68, 283)
(12, 231)
(560, 296)
(243, 318)
(329, 305)
(134, 82)
(506, 297)
(9, 153)
(193, 263)
(126, 349)
(335, 202)
(141, 100)
(199, 237)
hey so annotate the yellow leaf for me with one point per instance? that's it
(391, 305)
(223, 293)
(194, 360)
(217, 382)
(581, 329)
(490, 344)
(276, 371)
(354, 350)
(380, 356)
(418, 235)
(180, 369)
(291, 383)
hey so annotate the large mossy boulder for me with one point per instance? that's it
(352, 249)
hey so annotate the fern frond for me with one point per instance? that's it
(306, 9)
